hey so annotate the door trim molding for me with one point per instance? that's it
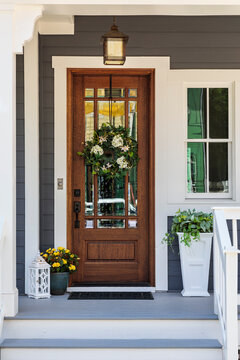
(60, 65)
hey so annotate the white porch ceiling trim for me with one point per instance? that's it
(60, 65)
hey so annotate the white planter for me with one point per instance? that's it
(195, 261)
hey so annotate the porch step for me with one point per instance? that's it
(141, 349)
(110, 329)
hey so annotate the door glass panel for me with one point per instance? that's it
(89, 224)
(89, 120)
(196, 167)
(89, 93)
(111, 199)
(218, 167)
(111, 223)
(118, 113)
(218, 113)
(132, 93)
(132, 192)
(197, 113)
(132, 224)
(119, 93)
(132, 118)
(89, 191)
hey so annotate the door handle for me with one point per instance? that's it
(77, 209)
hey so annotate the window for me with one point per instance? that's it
(208, 144)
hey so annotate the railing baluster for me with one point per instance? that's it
(226, 278)
(234, 232)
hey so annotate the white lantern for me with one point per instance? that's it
(39, 278)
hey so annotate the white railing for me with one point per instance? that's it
(225, 254)
(2, 238)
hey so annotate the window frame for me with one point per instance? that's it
(229, 140)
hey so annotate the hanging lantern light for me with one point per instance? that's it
(39, 278)
(114, 46)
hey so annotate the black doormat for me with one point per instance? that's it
(111, 296)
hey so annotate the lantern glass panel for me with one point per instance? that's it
(114, 47)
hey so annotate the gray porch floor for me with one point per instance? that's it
(164, 306)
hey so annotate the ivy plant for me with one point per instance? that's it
(191, 223)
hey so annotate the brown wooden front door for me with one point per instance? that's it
(114, 239)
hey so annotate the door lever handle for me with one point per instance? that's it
(77, 209)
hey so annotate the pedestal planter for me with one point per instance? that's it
(59, 283)
(195, 261)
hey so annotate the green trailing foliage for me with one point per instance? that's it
(191, 223)
(112, 152)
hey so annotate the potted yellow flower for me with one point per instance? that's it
(63, 263)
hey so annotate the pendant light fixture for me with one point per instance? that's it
(114, 46)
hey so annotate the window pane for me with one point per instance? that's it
(117, 110)
(111, 199)
(218, 113)
(132, 118)
(196, 168)
(89, 191)
(89, 120)
(110, 223)
(197, 113)
(218, 167)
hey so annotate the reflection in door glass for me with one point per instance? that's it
(132, 118)
(111, 223)
(117, 93)
(132, 224)
(89, 120)
(111, 199)
(89, 191)
(132, 192)
(89, 93)
(118, 113)
(89, 224)
(132, 93)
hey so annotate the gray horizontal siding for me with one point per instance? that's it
(20, 226)
(191, 42)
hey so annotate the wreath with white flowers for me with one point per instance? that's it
(112, 152)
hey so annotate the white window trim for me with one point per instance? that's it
(229, 86)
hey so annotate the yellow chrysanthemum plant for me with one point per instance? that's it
(61, 260)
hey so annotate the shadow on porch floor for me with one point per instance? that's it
(164, 306)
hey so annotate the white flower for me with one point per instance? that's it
(97, 150)
(117, 141)
(104, 168)
(125, 148)
(109, 165)
(102, 139)
(122, 162)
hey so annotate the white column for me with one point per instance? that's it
(31, 152)
(8, 159)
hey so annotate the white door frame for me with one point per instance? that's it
(60, 65)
